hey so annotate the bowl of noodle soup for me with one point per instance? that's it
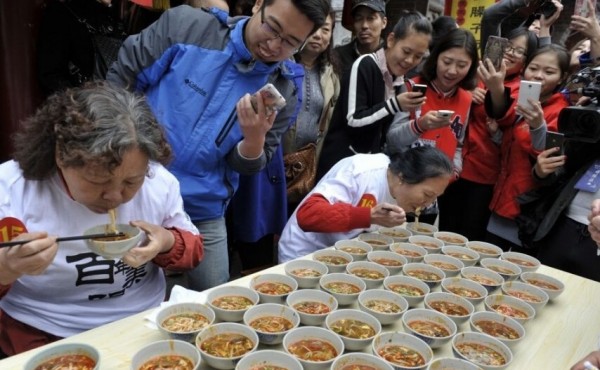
(267, 360)
(223, 345)
(385, 305)
(481, 349)
(271, 321)
(168, 354)
(316, 348)
(230, 302)
(402, 350)
(362, 361)
(312, 305)
(78, 355)
(183, 321)
(113, 247)
(356, 328)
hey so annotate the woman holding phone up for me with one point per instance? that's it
(524, 134)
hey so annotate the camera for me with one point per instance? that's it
(547, 9)
(582, 123)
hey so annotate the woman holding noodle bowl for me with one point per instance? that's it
(362, 191)
(85, 152)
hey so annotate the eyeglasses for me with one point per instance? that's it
(290, 46)
(516, 51)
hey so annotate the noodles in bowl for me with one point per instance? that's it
(183, 321)
(222, 345)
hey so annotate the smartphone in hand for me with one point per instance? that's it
(529, 90)
(272, 98)
(553, 140)
(422, 88)
(495, 49)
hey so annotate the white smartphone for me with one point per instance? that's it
(529, 90)
(273, 99)
(445, 113)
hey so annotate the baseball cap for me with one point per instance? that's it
(377, 5)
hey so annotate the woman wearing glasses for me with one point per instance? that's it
(523, 134)
(481, 150)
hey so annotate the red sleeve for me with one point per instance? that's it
(186, 253)
(316, 214)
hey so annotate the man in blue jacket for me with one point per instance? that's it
(198, 72)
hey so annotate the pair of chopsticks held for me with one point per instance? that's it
(12, 243)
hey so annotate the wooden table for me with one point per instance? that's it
(561, 334)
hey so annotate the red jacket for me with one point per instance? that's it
(518, 156)
(446, 138)
(481, 156)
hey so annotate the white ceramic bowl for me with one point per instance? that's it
(306, 272)
(398, 233)
(312, 297)
(526, 262)
(533, 295)
(485, 250)
(412, 289)
(431, 244)
(64, 349)
(268, 358)
(224, 328)
(314, 334)
(369, 272)
(485, 340)
(412, 252)
(227, 292)
(468, 289)
(508, 306)
(450, 238)
(421, 229)
(491, 322)
(397, 338)
(393, 262)
(467, 256)
(433, 317)
(273, 288)
(446, 303)
(360, 359)
(335, 260)
(385, 305)
(551, 285)
(450, 265)
(377, 241)
(508, 270)
(338, 322)
(429, 274)
(356, 248)
(447, 363)
(343, 287)
(114, 249)
(166, 348)
(275, 333)
(491, 280)
(189, 310)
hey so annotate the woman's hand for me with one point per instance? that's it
(478, 95)
(548, 162)
(492, 126)
(387, 215)
(594, 218)
(533, 116)
(546, 23)
(431, 121)
(588, 26)
(493, 79)
(32, 258)
(593, 358)
(159, 240)
(410, 100)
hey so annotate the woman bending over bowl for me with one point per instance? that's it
(362, 191)
(86, 151)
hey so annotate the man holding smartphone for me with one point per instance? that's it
(198, 69)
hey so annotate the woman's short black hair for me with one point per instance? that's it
(418, 164)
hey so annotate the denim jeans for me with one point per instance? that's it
(213, 270)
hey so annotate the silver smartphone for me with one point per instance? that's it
(529, 90)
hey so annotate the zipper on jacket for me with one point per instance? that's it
(226, 128)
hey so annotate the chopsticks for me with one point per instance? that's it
(63, 239)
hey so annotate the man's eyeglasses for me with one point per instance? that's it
(516, 51)
(286, 44)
